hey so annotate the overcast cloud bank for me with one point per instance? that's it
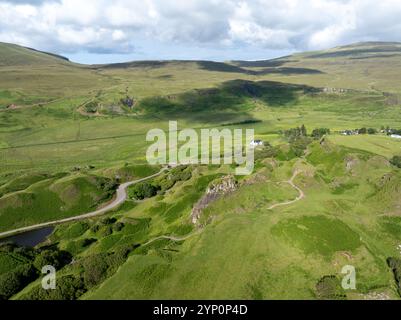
(219, 29)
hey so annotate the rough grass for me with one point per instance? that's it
(318, 234)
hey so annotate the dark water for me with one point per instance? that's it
(30, 238)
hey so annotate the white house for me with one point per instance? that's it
(255, 143)
(397, 136)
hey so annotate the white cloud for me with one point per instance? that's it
(122, 25)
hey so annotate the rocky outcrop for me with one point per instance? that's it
(216, 190)
(350, 163)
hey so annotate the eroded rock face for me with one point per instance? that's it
(350, 163)
(216, 190)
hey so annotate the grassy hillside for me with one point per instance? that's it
(371, 66)
(14, 55)
(251, 252)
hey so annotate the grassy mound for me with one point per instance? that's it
(53, 199)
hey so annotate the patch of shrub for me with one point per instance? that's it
(67, 288)
(54, 258)
(95, 269)
(298, 139)
(267, 151)
(7, 247)
(15, 280)
(329, 288)
(107, 185)
(98, 267)
(91, 107)
(396, 161)
(143, 190)
(299, 145)
(181, 173)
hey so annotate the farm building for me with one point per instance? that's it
(255, 143)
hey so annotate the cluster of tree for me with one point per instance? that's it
(395, 265)
(16, 279)
(298, 139)
(107, 185)
(295, 133)
(67, 288)
(143, 190)
(367, 130)
(86, 273)
(89, 272)
(396, 161)
(149, 189)
(319, 132)
(53, 257)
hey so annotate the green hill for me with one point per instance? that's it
(15, 55)
(51, 198)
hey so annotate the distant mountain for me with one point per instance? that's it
(363, 65)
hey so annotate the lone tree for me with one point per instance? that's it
(362, 130)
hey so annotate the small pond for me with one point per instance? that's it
(30, 238)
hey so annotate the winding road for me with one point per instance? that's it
(121, 196)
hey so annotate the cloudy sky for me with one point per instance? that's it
(94, 31)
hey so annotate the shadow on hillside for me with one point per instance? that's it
(273, 69)
(133, 64)
(231, 101)
(289, 71)
(377, 56)
(355, 52)
(262, 63)
(221, 67)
